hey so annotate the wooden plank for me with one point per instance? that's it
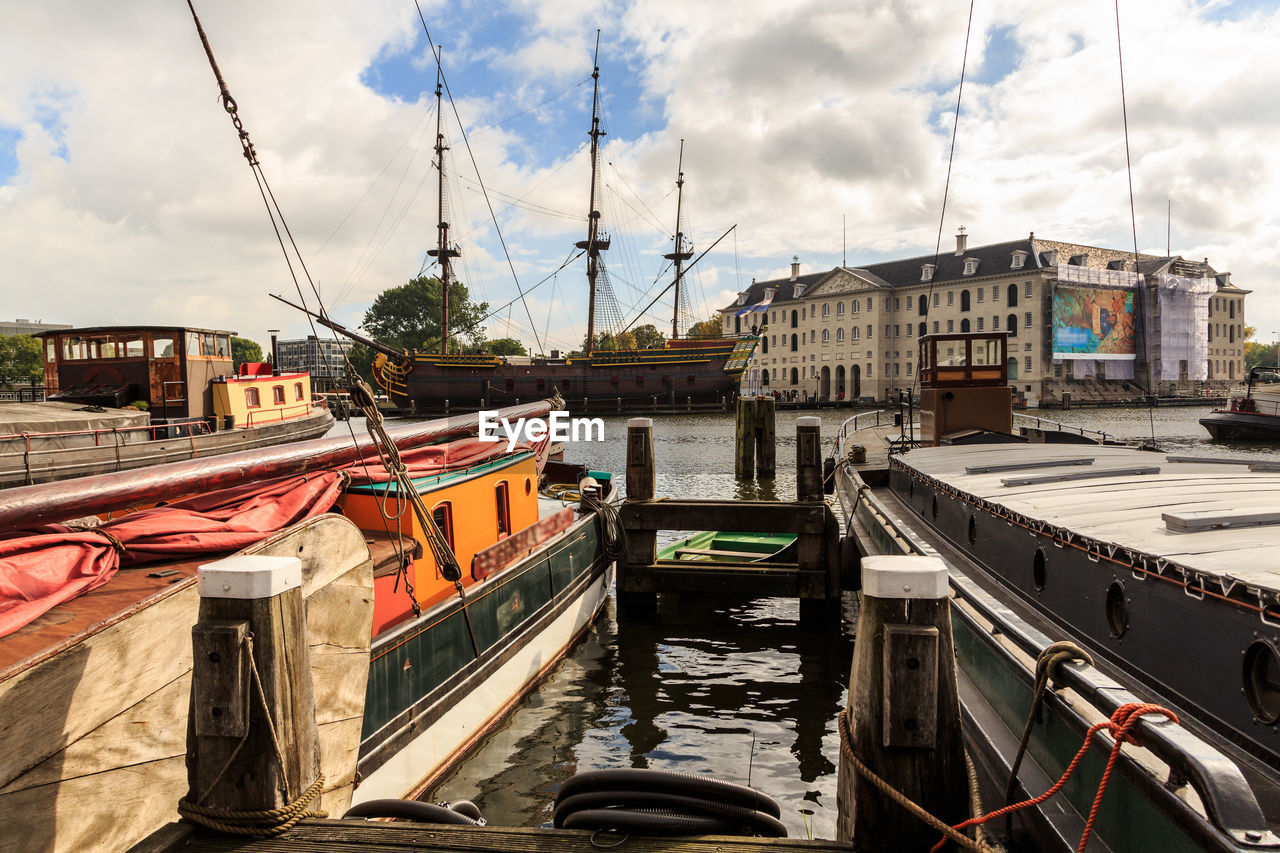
(910, 685)
(218, 698)
(762, 516)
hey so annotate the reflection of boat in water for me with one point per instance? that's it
(123, 397)
(1157, 566)
(409, 666)
(1252, 412)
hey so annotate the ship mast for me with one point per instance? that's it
(595, 243)
(443, 252)
(678, 257)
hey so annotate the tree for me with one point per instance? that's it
(21, 360)
(648, 337)
(242, 350)
(505, 346)
(608, 342)
(408, 316)
(361, 358)
(709, 328)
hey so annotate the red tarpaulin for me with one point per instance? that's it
(41, 571)
(453, 456)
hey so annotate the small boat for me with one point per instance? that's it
(121, 397)
(721, 547)
(418, 646)
(1252, 412)
(1156, 568)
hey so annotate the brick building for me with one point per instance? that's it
(852, 332)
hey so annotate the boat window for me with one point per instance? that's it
(162, 346)
(1117, 610)
(108, 348)
(1262, 681)
(277, 394)
(251, 398)
(50, 350)
(504, 509)
(442, 515)
(297, 390)
(134, 348)
(224, 346)
(207, 347)
(73, 349)
(193, 343)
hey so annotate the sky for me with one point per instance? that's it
(812, 129)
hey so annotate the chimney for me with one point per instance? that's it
(795, 267)
(962, 240)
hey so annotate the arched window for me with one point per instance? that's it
(857, 306)
(1012, 319)
(1013, 296)
(826, 336)
(737, 325)
(826, 309)
(840, 335)
(839, 309)
(251, 398)
(795, 318)
(964, 324)
(443, 517)
(855, 333)
(924, 304)
(795, 376)
(795, 342)
(764, 378)
(964, 300)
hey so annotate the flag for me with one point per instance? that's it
(762, 305)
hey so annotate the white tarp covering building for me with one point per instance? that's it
(1182, 313)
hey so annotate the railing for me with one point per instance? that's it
(881, 417)
(185, 429)
(299, 410)
(1040, 423)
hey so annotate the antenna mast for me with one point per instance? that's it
(595, 243)
(442, 252)
(678, 257)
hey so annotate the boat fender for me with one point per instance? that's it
(415, 811)
(850, 564)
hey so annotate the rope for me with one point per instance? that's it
(257, 823)
(846, 751)
(1119, 726)
(1046, 665)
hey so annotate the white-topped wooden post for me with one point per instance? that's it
(903, 710)
(808, 458)
(635, 588)
(252, 617)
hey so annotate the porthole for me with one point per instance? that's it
(1037, 570)
(973, 530)
(1262, 681)
(935, 508)
(1117, 610)
(528, 485)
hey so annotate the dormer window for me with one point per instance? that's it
(1019, 259)
(1078, 260)
(926, 272)
(970, 266)
(798, 291)
(742, 297)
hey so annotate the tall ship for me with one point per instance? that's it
(684, 371)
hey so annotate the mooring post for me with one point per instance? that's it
(902, 720)
(251, 732)
(808, 458)
(766, 439)
(635, 587)
(744, 439)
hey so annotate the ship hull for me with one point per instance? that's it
(684, 376)
(1242, 426)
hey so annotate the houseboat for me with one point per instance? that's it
(1252, 412)
(424, 629)
(121, 397)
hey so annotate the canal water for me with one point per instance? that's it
(730, 688)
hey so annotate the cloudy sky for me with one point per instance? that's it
(820, 129)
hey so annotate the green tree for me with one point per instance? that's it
(242, 350)
(709, 328)
(408, 316)
(505, 346)
(648, 337)
(608, 342)
(21, 360)
(361, 358)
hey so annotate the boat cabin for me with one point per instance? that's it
(964, 385)
(180, 374)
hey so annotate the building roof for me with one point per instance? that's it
(992, 259)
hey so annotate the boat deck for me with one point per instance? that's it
(1216, 516)
(335, 836)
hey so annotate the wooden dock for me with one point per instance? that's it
(339, 836)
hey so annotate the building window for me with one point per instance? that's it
(870, 303)
(839, 309)
(826, 336)
(442, 515)
(795, 343)
(1026, 318)
(923, 329)
(826, 309)
(795, 376)
(886, 369)
(897, 369)
(995, 293)
(854, 333)
(1018, 259)
(964, 300)
(840, 335)
(857, 306)
(1231, 332)
(1027, 290)
(897, 303)
(1231, 309)
(795, 318)
(1013, 296)
(1012, 321)
(982, 292)
(1028, 363)
(995, 323)
(813, 336)
(251, 399)
(926, 272)
(504, 509)
(936, 298)
(964, 325)
(924, 305)
(908, 330)
(935, 327)
(980, 319)
(951, 326)
(870, 328)
(951, 297)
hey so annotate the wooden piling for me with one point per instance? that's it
(808, 458)
(634, 593)
(766, 439)
(252, 743)
(903, 711)
(744, 439)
